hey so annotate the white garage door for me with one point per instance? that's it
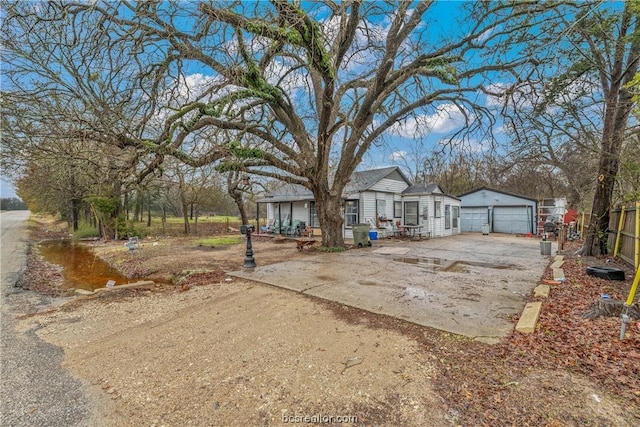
(512, 219)
(472, 219)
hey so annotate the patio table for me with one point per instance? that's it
(413, 229)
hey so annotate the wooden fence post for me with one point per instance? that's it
(617, 243)
(636, 233)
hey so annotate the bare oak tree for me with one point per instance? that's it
(580, 101)
(302, 90)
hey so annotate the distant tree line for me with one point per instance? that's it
(12, 204)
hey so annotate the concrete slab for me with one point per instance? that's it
(468, 284)
(541, 291)
(529, 317)
(558, 274)
(558, 260)
(392, 250)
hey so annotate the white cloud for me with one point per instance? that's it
(495, 94)
(446, 118)
(398, 155)
(486, 34)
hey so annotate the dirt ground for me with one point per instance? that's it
(207, 350)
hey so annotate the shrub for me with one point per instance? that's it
(125, 231)
(86, 231)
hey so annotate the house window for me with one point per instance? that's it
(313, 215)
(350, 212)
(397, 209)
(447, 216)
(411, 213)
(456, 215)
(425, 213)
(381, 208)
(437, 209)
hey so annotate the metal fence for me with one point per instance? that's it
(624, 233)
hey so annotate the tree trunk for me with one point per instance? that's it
(185, 216)
(149, 211)
(329, 215)
(164, 219)
(137, 207)
(75, 207)
(237, 198)
(616, 118)
(233, 189)
(618, 106)
(126, 206)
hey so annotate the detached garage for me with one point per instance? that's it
(504, 212)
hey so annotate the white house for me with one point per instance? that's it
(427, 205)
(380, 197)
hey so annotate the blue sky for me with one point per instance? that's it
(441, 120)
(7, 190)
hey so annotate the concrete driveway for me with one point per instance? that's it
(468, 284)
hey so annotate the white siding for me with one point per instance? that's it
(433, 224)
(300, 213)
(438, 223)
(387, 185)
(367, 207)
(270, 212)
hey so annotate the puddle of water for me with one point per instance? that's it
(422, 260)
(488, 265)
(441, 264)
(429, 263)
(82, 269)
(456, 267)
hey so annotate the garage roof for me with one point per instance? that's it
(496, 191)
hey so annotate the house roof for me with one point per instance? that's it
(364, 180)
(418, 189)
(496, 191)
(288, 193)
(422, 189)
(360, 181)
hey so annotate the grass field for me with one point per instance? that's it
(174, 226)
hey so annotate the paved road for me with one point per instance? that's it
(35, 390)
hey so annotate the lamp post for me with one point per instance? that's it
(249, 261)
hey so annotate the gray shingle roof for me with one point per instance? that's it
(496, 191)
(422, 189)
(288, 193)
(363, 180)
(360, 181)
